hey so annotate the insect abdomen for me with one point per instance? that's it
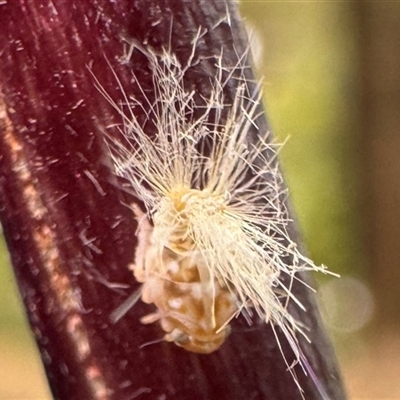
(193, 308)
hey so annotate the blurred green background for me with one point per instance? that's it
(332, 86)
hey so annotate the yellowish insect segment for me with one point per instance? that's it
(213, 241)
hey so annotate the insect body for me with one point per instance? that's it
(191, 306)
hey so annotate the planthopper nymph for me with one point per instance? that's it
(213, 238)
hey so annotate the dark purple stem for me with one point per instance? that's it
(68, 231)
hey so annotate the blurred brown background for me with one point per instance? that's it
(332, 86)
